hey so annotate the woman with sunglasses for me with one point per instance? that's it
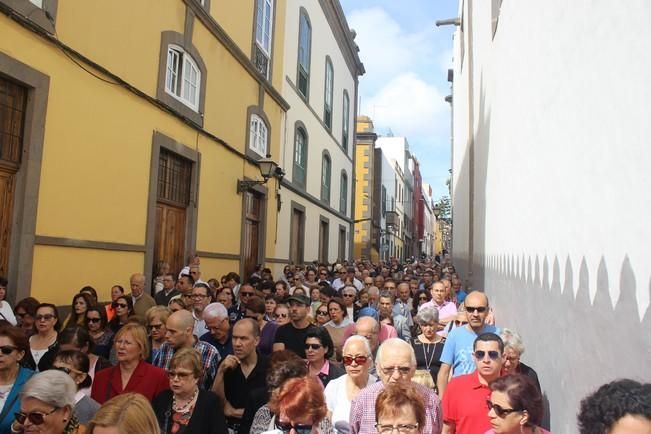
(116, 292)
(515, 406)
(321, 316)
(77, 339)
(339, 320)
(6, 313)
(318, 349)
(76, 365)
(123, 306)
(298, 407)
(46, 405)
(428, 345)
(130, 413)
(281, 314)
(100, 334)
(25, 312)
(421, 297)
(79, 307)
(43, 345)
(340, 392)
(13, 347)
(185, 408)
(156, 318)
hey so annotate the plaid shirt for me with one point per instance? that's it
(209, 361)
(362, 410)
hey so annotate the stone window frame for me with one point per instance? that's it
(345, 121)
(300, 126)
(326, 177)
(169, 37)
(306, 95)
(44, 17)
(257, 111)
(254, 39)
(343, 195)
(328, 93)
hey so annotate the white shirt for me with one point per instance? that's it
(7, 313)
(336, 397)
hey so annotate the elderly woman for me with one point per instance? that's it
(129, 413)
(400, 407)
(156, 317)
(339, 320)
(283, 366)
(185, 407)
(428, 345)
(132, 373)
(25, 312)
(318, 349)
(298, 407)
(123, 309)
(99, 332)
(515, 406)
(13, 347)
(43, 345)
(76, 364)
(341, 391)
(513, 349)
(46, 405)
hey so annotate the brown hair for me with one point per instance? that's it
(16, 335)
(523, 395)
(256, 305)
(394, 397)
(187, 358)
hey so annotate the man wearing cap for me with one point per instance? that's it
(292, 336)
(347, 274)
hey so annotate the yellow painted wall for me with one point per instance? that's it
(98, 139)
(361, 210)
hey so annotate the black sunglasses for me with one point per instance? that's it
(116, 305)
(93, 319)
(480, 309)
(300, 428)
(322, 312)
(313, 346)
(7, 349)
(493, 355)
(35, 418)
(499, 411)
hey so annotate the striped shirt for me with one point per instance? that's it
(209, 360)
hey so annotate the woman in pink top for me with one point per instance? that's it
(515, 406)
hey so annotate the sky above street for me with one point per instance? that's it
(406, 59)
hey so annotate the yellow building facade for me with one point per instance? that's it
(367, 212)
(125, 128)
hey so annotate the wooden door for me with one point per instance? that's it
(251, 233)
(7, 181)
(170, 235)
(323, 241)
(342, 244)
(296, 237)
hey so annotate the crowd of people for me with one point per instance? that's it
(352, 347)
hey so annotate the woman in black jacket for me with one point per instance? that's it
(185, 408)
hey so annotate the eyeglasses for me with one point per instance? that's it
(46, 317)
(199, 296)
(349, 295)
(21, 314)
(66, 369)
(322, 312)
(187, 296)
(280, 315)
(176, 374)
(494, 355)
(499, 411)
(402, 370)
(246, 294)
(359, 360)
(7, 349)
(36, 418)
(480, 309)
(286, 427)
(155, 326)
(93, 320)
(115, 305)
(313, 346)
(422, 298)
(402, 428)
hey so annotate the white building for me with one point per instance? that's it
(321, 69)
(428, 221)
(551, 184)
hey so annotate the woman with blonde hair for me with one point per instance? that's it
(132, 373)
(156, 317)
(129, 413)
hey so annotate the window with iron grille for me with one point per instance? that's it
(304, 53)
(174, 178)
(13, 100)
(263, 35)
(327, 106)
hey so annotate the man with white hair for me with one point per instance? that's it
(396, 363)
(218, 328)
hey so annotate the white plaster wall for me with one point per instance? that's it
(319, 138)
(561, 203)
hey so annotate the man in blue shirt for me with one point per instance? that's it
(457, 351)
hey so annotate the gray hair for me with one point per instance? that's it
(395, 343)
(358, 338)
(374, 290)
(427, 315)
(53, 387)
(214, 310)
(386, 294)
(512, 340)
